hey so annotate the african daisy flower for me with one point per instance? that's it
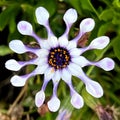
(58, 58)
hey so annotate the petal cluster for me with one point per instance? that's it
(74, 64)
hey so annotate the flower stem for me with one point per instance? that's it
(17, 99)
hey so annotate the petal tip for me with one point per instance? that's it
(25, 28)
(100, 42)
(12, 65)
(94, 89)
(107, 64)
(42, 15)
(77, 101)
(54, 104)
(70, 16)
(17, 46)
(87, 25)
(39, 98)
(17, 81)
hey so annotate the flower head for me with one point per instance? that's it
(59, 58)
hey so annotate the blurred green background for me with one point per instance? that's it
(106, 14)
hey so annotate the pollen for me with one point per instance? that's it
(59, 58)
(52, 70)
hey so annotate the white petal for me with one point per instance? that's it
(77, 101)
(70, 16)
(41, 69)
(74, 69)
(18, 81)
(52, 41)
(63, 41)
(82, 61)
(71, 45)
(13, 65)
(42, 15)
(99, 43)
(57, 76)
(41, 61)
(42, 53)
(17, 46)
(25, 28)
(74, 52)
(106, 64)
(39, 98)
(44, 44)
(49, 73)
(87, 25)
(94, 89)
(54, 104)
(66, 75)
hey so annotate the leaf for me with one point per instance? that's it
(116, 46)
(107, 15)
(86, 4)
(116, 3)
(12, 24)
(76, 5)
(89, 100)
(50, 6)
(116, 18)
(29, 9)
(104, 28)
(4, 50)
(5, 15)
(83, 4)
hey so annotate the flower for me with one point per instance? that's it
(59, 58)
(63, 114)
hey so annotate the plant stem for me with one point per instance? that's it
(17, 99)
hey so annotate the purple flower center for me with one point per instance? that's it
(59, 57)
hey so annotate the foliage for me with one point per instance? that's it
(107, 17)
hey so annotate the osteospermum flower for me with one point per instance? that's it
(59, 58)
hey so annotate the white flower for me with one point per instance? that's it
(59, 58)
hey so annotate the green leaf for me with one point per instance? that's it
(116, 46)
(6, 14)
(4, 50)
(29, 9)
(5, 3)
(107, 15)
(12, 24)
(49, 5)
(76, 5)
(116, 3)
(104, 28)
(89, 100)
(116, 18)
(83, 4)
(86, 4)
